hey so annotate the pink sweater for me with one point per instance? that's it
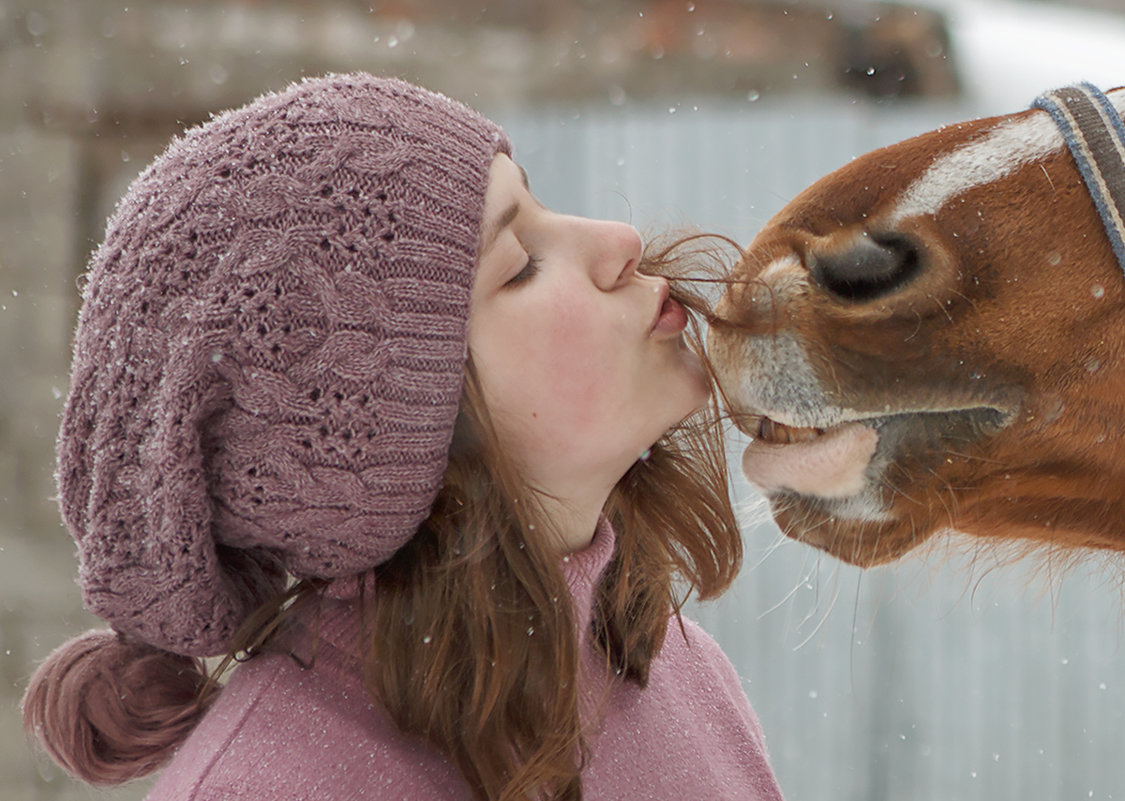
(282, 732)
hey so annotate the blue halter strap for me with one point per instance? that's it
(1095, 134)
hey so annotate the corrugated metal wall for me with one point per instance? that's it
(938, 678)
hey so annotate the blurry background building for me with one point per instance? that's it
(930, 680)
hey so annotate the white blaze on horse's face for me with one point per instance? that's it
(1005, 149)
(933, 338)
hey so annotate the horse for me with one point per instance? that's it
(932, 339)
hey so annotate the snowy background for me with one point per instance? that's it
(938, 679)
(1007, 52)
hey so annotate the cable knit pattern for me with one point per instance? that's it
(268, 360)
(284, 732)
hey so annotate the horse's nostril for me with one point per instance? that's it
(871, 267)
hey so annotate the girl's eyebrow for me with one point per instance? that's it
(494, 227)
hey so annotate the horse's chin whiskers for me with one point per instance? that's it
(886, 483)
(779, 541)
(820, 623)
(815, 609)
(973, 457)
(801, 582)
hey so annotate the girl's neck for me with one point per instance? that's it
(572, 524)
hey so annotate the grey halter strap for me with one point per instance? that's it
(1095, 134)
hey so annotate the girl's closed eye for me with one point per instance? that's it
(529, 271)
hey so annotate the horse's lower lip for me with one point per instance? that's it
(833, 461)
(828, 463)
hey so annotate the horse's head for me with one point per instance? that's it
(933, 337)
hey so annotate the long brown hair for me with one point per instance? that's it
(470, 641)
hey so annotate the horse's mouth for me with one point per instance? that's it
(846, 459)
(828, 462)
(768, 430)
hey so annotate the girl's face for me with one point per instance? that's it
(581, 358)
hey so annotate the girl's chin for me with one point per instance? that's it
(691, 381)
(696, 400)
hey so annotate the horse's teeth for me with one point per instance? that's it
(779, 433)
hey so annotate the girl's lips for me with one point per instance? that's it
(671, 318)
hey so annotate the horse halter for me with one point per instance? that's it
(1095, 134)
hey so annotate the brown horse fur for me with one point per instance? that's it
(987, 351)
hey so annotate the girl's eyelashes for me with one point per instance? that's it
(530, 269)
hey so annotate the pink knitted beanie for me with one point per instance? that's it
(268, 360)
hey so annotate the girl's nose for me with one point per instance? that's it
(612, 252)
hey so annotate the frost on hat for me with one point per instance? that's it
(268, 360)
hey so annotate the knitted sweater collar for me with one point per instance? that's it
(583, 571)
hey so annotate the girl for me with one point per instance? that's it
(349, 405)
